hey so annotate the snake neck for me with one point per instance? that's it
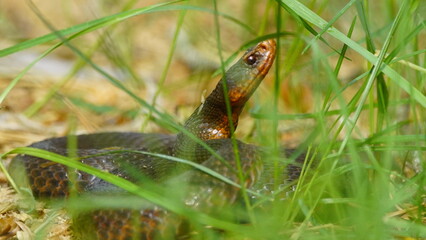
(209, 121)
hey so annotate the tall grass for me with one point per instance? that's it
(364, 132)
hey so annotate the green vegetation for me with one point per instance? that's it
(348, 87)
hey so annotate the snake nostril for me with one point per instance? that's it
(267, 45)
(263, 46)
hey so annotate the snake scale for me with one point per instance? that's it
(210, 122)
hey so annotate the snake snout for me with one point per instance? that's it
(268, 45)
(266, 49)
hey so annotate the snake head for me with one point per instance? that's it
(245, 76)
(211, 120)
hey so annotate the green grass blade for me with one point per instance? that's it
(151, 196)
(382, 100)
(306, 25)
(375, 72)
(167, 65)
(409, 55)
(364, 22)
(329, 24)
(113, 19)
(407, 39)
(344, 48)
(240, 173)
(95, 24)
(313, 18)
(15, 81)
(162, 117)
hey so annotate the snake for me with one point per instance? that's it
(212, 123)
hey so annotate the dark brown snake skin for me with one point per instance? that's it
(209, 122)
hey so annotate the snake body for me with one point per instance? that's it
(210, 123)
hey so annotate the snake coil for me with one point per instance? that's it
(210, 123)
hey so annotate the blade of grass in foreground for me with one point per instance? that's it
(77, 30)
(151, 196)
(329, 24)
(15, 81)
(241, 176)
(166, 67)
(375, 72)
(164, 118)
(382, 93)
(313, 18)
(95, 24)
(113, 19)
(79, 64)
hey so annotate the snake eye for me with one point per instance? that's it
(251, 60)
